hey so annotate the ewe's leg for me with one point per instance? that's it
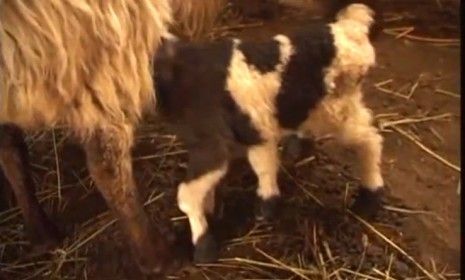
(109, 162)
(265, 163)
(14, 162)
(208, 163)
(6, 194)
(358, 133)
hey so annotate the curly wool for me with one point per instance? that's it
(79, 63)
(195, 17)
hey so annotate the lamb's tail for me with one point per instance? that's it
(357, 14)
(355, 52)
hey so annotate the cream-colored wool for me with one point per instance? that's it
(77, 63)
(197, 16)
(85, 63)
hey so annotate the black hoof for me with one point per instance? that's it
(368, 203)
(206, 249)
(268, 209)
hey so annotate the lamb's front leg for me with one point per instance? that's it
(207, 165)
(265, 162)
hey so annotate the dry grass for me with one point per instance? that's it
(264, 261)
(405, 32)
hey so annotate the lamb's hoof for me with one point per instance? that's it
(206, 249)
(368, 203)
(268, 209)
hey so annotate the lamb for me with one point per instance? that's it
(85, 65)
(237, 98)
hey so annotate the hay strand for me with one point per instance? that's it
(392, 244)
(426, 149)
(405, 32)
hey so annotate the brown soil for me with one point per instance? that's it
(424, 189)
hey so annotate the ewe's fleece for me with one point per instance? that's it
(197, 16)
(85, 63)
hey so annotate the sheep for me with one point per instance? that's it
(238, 98)
(85, 65)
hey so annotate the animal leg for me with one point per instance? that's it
(207, 165)
(358, 133)
(109, 163)
(14, 162)
(265, 162)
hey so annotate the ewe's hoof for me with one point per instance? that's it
(368, 203)
(46, 238)
(163, 265)
(206, 249)
(157, 267)
(43, 248)
(268, 209)
(156, 259)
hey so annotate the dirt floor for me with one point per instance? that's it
(415, 94)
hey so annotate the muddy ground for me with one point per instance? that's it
(313, 237)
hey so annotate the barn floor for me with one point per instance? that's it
(414, 92)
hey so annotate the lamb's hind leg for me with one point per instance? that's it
(358, 133)
(109, 162)
(208, 163)
(14, 162)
